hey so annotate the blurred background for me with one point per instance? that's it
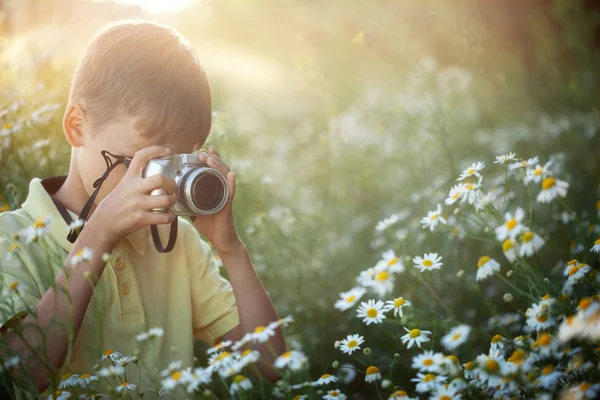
(336, 114)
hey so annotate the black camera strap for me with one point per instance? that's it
(110, 165)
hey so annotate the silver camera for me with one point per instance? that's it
(201, 190)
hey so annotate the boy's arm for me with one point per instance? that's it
(254, 307)
(53, 312)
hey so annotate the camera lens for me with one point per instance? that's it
(207, 191)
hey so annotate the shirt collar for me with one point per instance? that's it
(39, 204)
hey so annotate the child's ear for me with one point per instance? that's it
(73, 121)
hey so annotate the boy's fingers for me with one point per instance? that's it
(141, 157)
(232, 183)
(212, 150)
(218, 164)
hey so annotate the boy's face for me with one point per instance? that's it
(119, 138)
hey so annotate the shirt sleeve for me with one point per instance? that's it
(20, 291)
(214, 310)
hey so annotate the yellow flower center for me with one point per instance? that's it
(471, 171)
(597, 242)
(13, 247)
(427, 263)
(469, 366)
(542, 317)
(39, 223)
(445, 398)
(548, 183)
(453, 358)
(585, 386)
(287, 354)
(547, 369)
(223, 355)
(507, 245)
(434, 217)
(239, 378)
(371, 313)
(334, 393)
(85, 376)
(545, 339)
(325, 376)
(350, 299)
(537, 171)
(392, 261)
(399, 302)
(414, 333)
(456, 336)
(572, 262)
(259, 329)
(176, 375)
(511, 223)
(429, 377)
(469, 187)
(382, 276)
(246, 352)
(496, 338)
(124, 384)
(372, 370)
(400, 393)
(428, 362)
(482, 261)
(517, 356)
(527, 236)
(79, 253)
(585, 303)
(108, 352)
(492, 366)
(573, 270)
(14, 285)
(351, 344)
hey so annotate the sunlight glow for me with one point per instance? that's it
(159, 6)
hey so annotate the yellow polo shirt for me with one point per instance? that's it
(180, 291)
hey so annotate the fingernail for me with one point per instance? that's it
(167, 150)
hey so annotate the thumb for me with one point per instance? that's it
(231, 182)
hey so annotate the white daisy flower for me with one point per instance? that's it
(486, 266)
(219, 346)
(84, 380)
(334, 395)
(111, 370)
(397, 305)
(324, 380)
(41, 227)
(372, 374)
(261, 334)
(472, 170)
(391, 262)
(126, 360)
(83, 254)
(113, 355)
(503, 159)
(433, 218)
(68, 381)
(538, 173)
(428, 382)
(472, 192)
(240, 382)
(530, 243)
(512, 227)
(387, 222)
(219, 361)
(551, 188)
(293, 359)
(285, 321)
(76, 225)
(576, 271)
(152, 333)
(428, 361)
(538, 318)
(456, 193)
(60, 395)
(173, 379)
(13, 250)
(510, 248)
(497, 343)
(446, 392)
(248, 357)
(596, 247)
(371, 312)
(585, 390)
(428, 262)
(351, 343)
(456, 337)
(400, 395)
(125, 387)
(350, 298)
(415, 336)
(549, 377)
(524, 163)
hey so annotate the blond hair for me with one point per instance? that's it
(150, 72)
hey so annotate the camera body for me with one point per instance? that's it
(201, 190)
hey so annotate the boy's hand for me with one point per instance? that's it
(219, 228)
(129, 206)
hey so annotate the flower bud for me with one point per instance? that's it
(460, 273)
(337, 344)
(367, 351)
(386, 383)
(335, 364)
(206, 393)
(396, 356)
(487, 229)
(508, 297)
(456, 211)
(509, 273)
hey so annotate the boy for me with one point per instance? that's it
(140, 92)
